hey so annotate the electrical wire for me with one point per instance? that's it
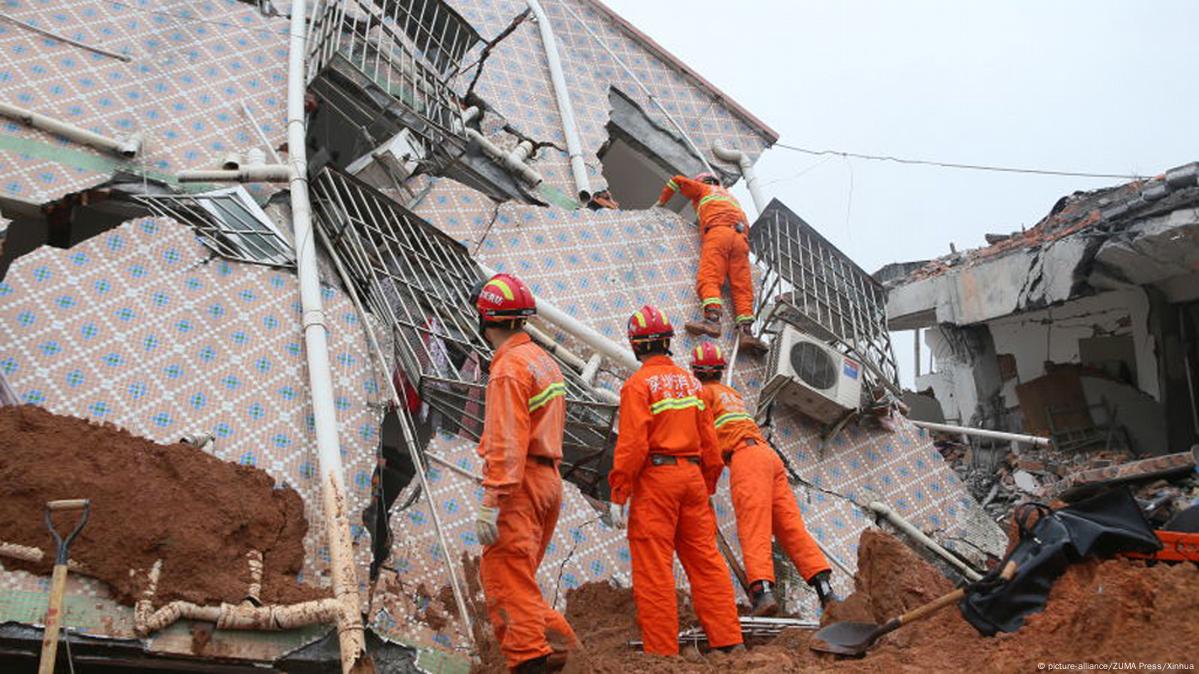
(955, 165)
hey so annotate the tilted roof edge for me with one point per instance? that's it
(658, 50)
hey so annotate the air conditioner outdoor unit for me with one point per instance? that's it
(813, 377)
(395, 160)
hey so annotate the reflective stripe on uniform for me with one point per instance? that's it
(555, 390)
(718, 197)
(712, 301)
(732, 416)
(745, 318)
(672, 184)
(675, 404)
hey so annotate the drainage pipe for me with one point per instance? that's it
(576, 328)
(350, 634)
(127, 148)
(747, 171)
(906, 527)
(574, 146)
(984, 433)
(513, 162)
(262, 173)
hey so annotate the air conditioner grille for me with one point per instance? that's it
(813, 365)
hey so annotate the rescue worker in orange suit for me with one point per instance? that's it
(666, 464)
(521, 447)
(762, 498)
(723, 252)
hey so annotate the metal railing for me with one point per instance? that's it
(406, 49)
(812, 285)
(417, 280)
(229, 222)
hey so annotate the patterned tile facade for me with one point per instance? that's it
(140, 327)
(515, 82)
(192, 65)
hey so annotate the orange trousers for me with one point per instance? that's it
(765, 507)
(724, 252)
(670, 514)
(525, 625)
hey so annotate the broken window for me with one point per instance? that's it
(820, 291)
(229, 222)
(418, 281)
(641, 155)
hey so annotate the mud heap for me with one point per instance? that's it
(196, 513)
(1098, 612)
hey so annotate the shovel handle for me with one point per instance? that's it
(935, 605)
(67, 504)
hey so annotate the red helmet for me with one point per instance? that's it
(504, 297)
(706, 177)
(706, 358)
(647, 324)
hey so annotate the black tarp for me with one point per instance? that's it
(1102, 525)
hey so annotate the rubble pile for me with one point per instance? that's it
(1000, 477)
(1099, 611)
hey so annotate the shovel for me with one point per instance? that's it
(854, 638)
(58, 582)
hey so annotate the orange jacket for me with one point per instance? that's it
(713, 204)
(661, 413)
(733, 421)
(526, 415)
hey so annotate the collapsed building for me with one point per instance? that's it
(1081, 329)
(445, 139)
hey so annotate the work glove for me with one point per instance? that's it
(487, 527)
(619, 514)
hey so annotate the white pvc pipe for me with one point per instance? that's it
(512, 162)
(984, 433)
(907, 527)
(127, 148)
(350, 635)
(549, 312)
(574, 147)
(263, 173)
(747, 171)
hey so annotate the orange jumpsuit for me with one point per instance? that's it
(661, 414)
(762, 497)
(723, 250)
(521, 447)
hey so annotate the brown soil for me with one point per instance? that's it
(196, 513)
(1116, 610)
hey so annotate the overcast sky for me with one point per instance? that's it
(1089, 86)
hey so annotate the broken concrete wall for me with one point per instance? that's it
(965, 379)
(1058, 335)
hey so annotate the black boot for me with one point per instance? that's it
(762, 594)
(824, 589)
(534, 666)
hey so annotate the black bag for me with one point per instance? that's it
(1102, 525)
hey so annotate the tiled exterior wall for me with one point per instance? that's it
(142, 328)
(193, 65)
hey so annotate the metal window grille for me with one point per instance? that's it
(812, 285)
(408, 49)
(229, 222)
(418, 280)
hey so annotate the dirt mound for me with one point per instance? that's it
(196, 513)
(1099, 611)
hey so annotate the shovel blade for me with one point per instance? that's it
(845, 638)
